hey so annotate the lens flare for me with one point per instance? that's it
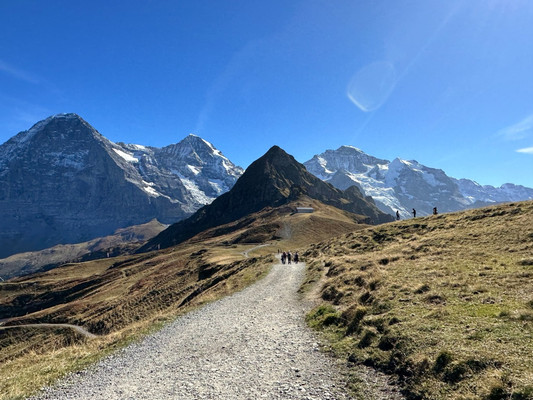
(372, 85)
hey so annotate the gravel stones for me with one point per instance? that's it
(251, 345)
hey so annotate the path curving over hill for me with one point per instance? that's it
(251, 345)
(81, 330)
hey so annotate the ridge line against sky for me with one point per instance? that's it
(445, 83)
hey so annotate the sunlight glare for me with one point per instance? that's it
(372, 85)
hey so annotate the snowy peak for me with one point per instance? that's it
(190, 146)
(403, 185)
(58, 136)
(62, 182)
(347, 158)
(273, 180)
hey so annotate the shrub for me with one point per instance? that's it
(422, 289)
(455, 373)
(330, 319)
(366, 298)
(366, 340)
(442, 360)
(523, 394)
(497, 393)
(354, 325)
(394, 321)
(387, 343)
(374, 284)
(324, 315)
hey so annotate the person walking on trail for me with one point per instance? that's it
(397, 215)
(414, 213)
(289, 256)
(435, 211)
(296, 258)
(283, 257)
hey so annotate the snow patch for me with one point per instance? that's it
(218, 185)
(196, 193)
(126, 156)
(194, 170)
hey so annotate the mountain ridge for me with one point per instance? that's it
(273, 180)
(403, 185)
(63, 182)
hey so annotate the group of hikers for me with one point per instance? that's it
(414, 213)
(288, 257)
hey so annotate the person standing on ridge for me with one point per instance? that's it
(414, 213)
(397, 215)
(435, 211)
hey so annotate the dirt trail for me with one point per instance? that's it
(77, 328)
(251, 345)
(246, 252)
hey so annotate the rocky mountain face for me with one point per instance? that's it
(403, 185)
(273, 180)
(63, 182)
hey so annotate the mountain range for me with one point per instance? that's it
(274, 180)
(403, 185)
(63, 182)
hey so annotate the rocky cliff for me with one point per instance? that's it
(63, 182)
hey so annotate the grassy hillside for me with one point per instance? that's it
(445, 303)
(122, 298)
(119, 299)
(284, 227)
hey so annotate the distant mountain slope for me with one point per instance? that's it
(63, 182)
(123, 241)
(273, 180)
(403, 185)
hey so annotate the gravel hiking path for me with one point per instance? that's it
(251, 345)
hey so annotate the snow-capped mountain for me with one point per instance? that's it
(63, 182)
(403, 185)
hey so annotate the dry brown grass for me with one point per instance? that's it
(445, 303)
(120, 299)
(126, 297)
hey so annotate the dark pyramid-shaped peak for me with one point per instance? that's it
(273, 180)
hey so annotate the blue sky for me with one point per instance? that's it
(447, 83)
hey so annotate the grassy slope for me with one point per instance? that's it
(125, 297)
(120, 299)
(445, 303)
(123, 241)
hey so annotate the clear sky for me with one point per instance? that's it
(448, 83)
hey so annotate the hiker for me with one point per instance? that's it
(397, 215)
(414, 213)
(289, 256)
(283, 257)
(296, 257)
(435, 211)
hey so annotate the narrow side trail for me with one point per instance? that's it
(77, 328)
(251, 345)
